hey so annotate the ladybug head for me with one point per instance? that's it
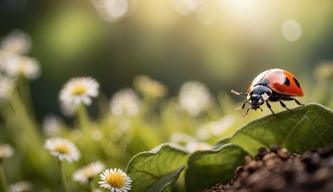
(258, 96)
(255, 100)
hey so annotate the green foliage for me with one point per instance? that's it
(206, 168)
(157, 169)
(298, 130)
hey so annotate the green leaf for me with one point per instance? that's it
(299, 129)
(156, 170)
(221, 142)
(207, 168)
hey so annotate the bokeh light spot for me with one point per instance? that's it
(291, 30)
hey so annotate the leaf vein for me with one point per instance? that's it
(292, 130)
(145, 172)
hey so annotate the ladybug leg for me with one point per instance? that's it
(247, 111)
(244, 103)
(299, 103)
(293, 99)
(283, 105)
(270, 107)
(261, 109)
(242, 106)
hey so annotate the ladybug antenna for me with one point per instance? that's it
(236, 92)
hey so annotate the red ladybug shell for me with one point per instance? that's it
(280, 81)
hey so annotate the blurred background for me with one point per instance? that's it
(222, 43)
(191, 53)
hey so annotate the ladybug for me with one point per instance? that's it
(276, 85)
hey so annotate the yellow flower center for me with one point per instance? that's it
(116, 180)
(61, 148)
(79, 90)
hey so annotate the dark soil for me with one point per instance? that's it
(276, 170)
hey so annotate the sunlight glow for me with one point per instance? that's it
(239, 8)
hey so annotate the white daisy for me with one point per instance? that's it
(78, 91)
(16, 42)
(17, 65)
(87, 173)
(150, 87)
(51, 125)
(6, 87)
(125, 102)
(21, 186)
(63, 149)
(194, 97)
(115, 180)
(6, 151)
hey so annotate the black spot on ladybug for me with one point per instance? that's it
(286, 81)
(297, 83)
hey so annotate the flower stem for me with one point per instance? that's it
(63, 176)
(83, 118)
(3, 178)
(91, 184)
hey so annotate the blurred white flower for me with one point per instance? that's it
(193, 146)
(16, 42)
(63, 149)
(6, 151)
(215, 128)
(4, 58)
(181, 138)
(124, 125)
(87, 173)
(18, 65)
(115, 180)
(125, 102)
(203, 134)
(68, 109)
(21, 186)
(186, 7)
(78, 91)
(6, 87)
(150, 87)
(51, 125)
(111, 10)
(194, 97)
